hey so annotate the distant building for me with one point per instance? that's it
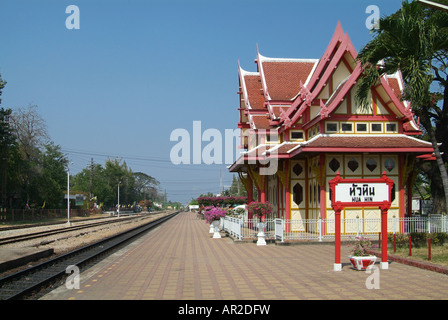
(300, 125)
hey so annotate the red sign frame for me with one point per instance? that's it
(338, 206)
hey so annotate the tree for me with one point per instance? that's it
(145, 186)
(6, 139)
(134, 187)
(414, 40)
(31, 133)
(103, 192)
(54, 177)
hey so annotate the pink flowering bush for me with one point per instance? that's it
(211, 214)
(221, 201)
(260, 209)
(361, 246)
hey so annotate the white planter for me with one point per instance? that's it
(261, 235)
(216, 234)
(212, 228)
(362, 262)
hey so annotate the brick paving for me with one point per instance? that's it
(181, 261)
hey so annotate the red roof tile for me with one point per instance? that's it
(283, 78)
(261, 121)
(254, 91)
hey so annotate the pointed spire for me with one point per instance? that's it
(339, 31)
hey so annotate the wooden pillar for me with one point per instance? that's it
(337, 239)
(287, 191)
(384, 264)
(322, 181)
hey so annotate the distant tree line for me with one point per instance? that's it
(33, 169)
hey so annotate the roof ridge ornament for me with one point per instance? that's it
(305, 93)
(324, 112)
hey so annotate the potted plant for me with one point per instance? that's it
(205, 215)
(213, 215)
(360, 256)
(260, 210)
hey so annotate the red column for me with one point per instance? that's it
(287, 196)
(337, 239)
(384, 263)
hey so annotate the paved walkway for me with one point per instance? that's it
(180, 260)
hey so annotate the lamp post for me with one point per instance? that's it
(68, 196)
(118, 205)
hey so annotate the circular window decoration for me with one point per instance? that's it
(371, 164)
(389, 164)
(334, 165)
(353, 165)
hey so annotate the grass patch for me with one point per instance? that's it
(439, 254)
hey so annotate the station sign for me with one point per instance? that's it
(362, 192)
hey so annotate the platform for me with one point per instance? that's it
(180, 260)
(16, 257)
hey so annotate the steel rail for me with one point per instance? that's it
(40, 234)
(23, 284)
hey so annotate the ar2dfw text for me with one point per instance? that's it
(231, 309)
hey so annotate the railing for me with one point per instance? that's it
(324, 229)
(246, 229)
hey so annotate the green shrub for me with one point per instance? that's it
(401, 240)
(438, 238)
(419, 239)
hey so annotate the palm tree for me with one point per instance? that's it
(413, 40)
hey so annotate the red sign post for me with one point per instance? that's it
(360, 193)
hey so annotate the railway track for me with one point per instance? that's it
(41, 234)
(29, 282)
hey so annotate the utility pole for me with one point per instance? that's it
(221, 187)
(91, 178)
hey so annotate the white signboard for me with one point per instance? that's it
(362, 192)
(193, 207)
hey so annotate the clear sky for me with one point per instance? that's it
(137, 70)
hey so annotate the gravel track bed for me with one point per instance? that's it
(62, 243)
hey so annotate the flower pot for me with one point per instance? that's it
(362, 262)
(261, 235)
(216, 234)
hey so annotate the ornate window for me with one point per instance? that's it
(391, 127)
(361, 127)
(347, 127)
(297, 193)
(331, 127)
(389, 164)
(353, 165)
(334, 165)
(377, 127)
(297, 169)
(371, 164)
(296, 135)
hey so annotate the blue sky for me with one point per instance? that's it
(137, 70)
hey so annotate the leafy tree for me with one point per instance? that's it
(145, 186)
(414, 40)
(6, 140)
(54, 177)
